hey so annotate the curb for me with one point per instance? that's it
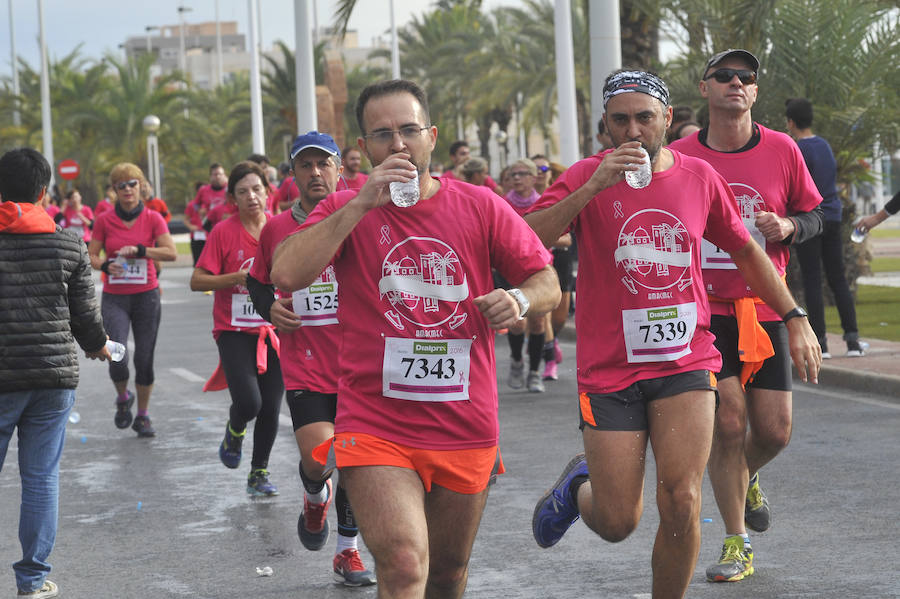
(862, 381)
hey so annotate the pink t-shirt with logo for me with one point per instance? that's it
(642, 312)
(417, 357)
(230, 248)
(310, 353)
(140, 273)
(78, 222)
(771, 176)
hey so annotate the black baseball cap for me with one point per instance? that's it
(733, 52)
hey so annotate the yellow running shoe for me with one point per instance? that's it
(735, 563)
(757, 516)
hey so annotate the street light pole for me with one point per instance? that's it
(256, 125)
(148, 29)
(45, 96)
(219, 66)
(182, 60)
(151, 126)
(304, 69)
(395, 46)
(17, 118)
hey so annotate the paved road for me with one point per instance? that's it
(163, 518)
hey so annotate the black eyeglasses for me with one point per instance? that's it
(726, 75)
(386, 136)
(125, 184)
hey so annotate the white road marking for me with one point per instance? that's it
(188, 375)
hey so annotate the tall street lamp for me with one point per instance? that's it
(148, 29)
(17, 119)
(151, 126)
(181, 58)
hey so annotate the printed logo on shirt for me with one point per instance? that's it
(654, 253)
(423, 283)
(749, 202)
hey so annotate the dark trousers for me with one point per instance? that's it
(826, 249)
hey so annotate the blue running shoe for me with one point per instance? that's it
(258, 484)
(557, 510)
(230, 448)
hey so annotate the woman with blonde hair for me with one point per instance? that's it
(132, 238)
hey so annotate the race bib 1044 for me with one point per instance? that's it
(243, 312)
(659, 334)
(421, 370)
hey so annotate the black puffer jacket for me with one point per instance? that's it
(47, 302)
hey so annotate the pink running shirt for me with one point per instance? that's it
(230, 248)
(78, 223)
(111, 231)
(771, 176)
(355, 183)
(417, 357)
(642, 312)
(310, 353)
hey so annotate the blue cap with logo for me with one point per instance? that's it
(314, 139)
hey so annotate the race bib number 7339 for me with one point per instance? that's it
(659, 334)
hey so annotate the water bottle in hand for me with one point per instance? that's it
(405, 194)
(858, 235)
(116, 350)
(640, 178)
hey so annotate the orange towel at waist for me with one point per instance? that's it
(217, 381)
(754, 345)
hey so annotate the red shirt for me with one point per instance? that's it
(112, 233)
(102, 206)
(230, 248)
(310, 352)
(417, 357)
(488, 182)
(209, 197)
(642, 312)
(158, 205)
(355, 183)
(771, 176)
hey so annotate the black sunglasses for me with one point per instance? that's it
(543, 168)
(726, 75)
(130, 183)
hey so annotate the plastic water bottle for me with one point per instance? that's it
(640, 178)
(116, 350)
(858, 235)
(405, 194)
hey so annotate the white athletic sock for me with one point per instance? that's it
(344, 543)
(320, 497)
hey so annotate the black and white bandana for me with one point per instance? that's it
(636, 81)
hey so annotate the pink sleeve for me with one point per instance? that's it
(210, 258)
(159, 226)
(724, 226)
(516, 251)
(98, 233)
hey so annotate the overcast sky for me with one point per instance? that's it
(101, 25)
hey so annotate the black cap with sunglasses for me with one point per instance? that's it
(732, 53)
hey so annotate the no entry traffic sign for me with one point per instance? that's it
(69, 169)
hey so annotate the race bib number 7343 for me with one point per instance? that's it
(421, 370)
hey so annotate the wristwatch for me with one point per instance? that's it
(520, 298)
(798, 311)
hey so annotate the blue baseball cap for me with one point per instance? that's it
(314, 139)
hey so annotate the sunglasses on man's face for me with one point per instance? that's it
(126, 184)
(543, 168)
(726, 75)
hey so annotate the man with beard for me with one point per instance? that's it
(352, 177)
(416, 430)
(645, 353)
(310, 337)
(208, 196)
